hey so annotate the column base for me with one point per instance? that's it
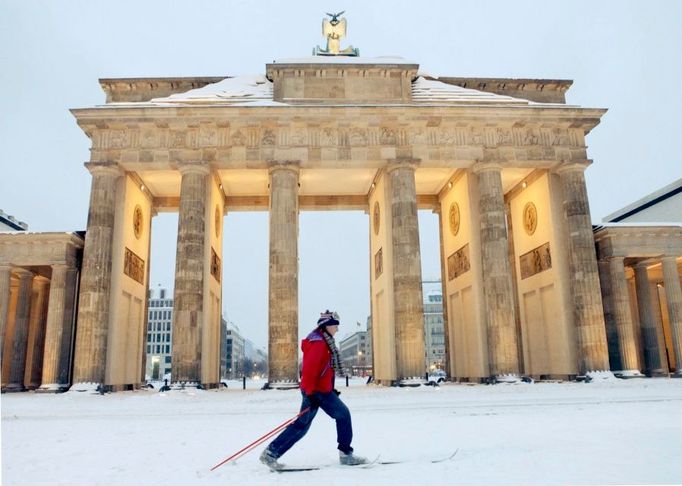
(281, 385)
(13, 388)
(53, 388)
(628, 374)
(677, 374)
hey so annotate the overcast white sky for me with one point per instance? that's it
(622, 55)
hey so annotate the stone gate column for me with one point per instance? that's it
(36, 333)
(652, 352)
(408, 303)
(17, 363)
(93, 311)
(588, 312)
(55, 330)
(283, 285)
(498, 288)
(673, 296)
(620, 302)
(188, 307)
(5, 276)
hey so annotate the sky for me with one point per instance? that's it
(621, 55)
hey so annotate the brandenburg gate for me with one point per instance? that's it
(501, 161)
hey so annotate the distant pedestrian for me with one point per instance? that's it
(321, 361)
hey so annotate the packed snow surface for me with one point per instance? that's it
(604, 432)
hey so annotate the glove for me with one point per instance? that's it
(337, 392)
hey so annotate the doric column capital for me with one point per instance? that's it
(194, 168)
(402, 164)
(669, 259)
(486, 165)
(97, 168)
(41, 281)
(572, 166)
(5, 267)
(23, 274)
(641, 266)
(291, 165)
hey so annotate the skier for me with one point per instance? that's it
(321, 361)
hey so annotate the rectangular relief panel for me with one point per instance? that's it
(535, 261)
(458, 262)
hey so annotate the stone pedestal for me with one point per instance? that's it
(36, 334)
(283, 276)
(652, 352)
(5, 276)
(673, 296)
(497, 275)
(587, 306)
(188, 311)
(620, 304)
(407, 287)
(17, 358)
(93, 312)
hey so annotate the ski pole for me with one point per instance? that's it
(261, 439)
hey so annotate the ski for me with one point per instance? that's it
(316, 468)
(296, 469)
(449, 458)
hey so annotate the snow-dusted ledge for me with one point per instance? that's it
(628, 374)
(412, 381)
(281, 385)
(511, 378)
(53, 387)
(85, 387)
(601, 375)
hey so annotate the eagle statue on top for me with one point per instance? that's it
(335, 30)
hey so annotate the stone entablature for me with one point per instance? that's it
(135, 90)
(40, 249)
(247, 137)
(638, 241)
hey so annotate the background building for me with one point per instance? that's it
(353, 350)
(159, 334)
(234, 351)
(639, 249)
(664, 205)
(434, 334)
(10, 223)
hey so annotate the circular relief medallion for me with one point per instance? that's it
(217, 221)
(454, 218)
(137, 222)
(530, 218)
(377, 218)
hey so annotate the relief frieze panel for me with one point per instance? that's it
(210, 136)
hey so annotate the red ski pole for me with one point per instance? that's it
(260, 440)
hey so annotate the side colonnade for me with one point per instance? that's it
(39, 281)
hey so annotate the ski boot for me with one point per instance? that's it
(351, 459)
(270, 460)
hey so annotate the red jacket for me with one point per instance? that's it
(317, 374)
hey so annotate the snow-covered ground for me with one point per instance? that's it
(612, 432)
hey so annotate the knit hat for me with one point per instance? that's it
(328, 319)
